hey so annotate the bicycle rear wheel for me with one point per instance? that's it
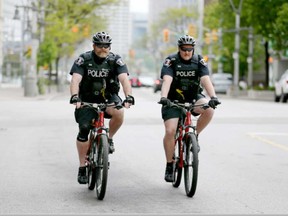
(191, 164)
(91, 166)
(177, 172)
(101, 165)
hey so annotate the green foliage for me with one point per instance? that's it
(177, 21)
(67, 24)
(269, 19)
(281, 25)
(47, 52)
(41, 84)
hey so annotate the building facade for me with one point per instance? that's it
(118, 18)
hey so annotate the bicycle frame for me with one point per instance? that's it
(183, 127)
(98, 124)
(186, 152)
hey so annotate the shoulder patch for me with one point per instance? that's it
(120, 62)
(79, 61)
(167, 62)
(203, 62)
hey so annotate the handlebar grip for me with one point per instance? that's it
(118, 106)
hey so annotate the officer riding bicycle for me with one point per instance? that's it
(96, 75)
(184, 73)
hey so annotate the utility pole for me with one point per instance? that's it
(250, 58)
(31, 88)
(235, 90)
(1, 41)
(30, 73)
(220, 63)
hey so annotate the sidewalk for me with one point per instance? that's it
(252, 95)
(14, 92)
(10, 92)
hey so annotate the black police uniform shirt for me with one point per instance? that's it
(186, 76)
(97, 74)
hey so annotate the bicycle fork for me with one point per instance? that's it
(186, 127)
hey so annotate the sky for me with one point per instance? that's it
(139, 6)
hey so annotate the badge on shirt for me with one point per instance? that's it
(120, 62)
(167, 62)
(203, 62)
(79, 61)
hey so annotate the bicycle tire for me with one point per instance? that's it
(191, 164)
(101, 166)
(177, 172)
(91, 166)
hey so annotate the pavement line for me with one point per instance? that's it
(253, 135)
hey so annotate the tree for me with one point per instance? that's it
(267, 17)
(173, 20)
(62, 18)
(282, 27)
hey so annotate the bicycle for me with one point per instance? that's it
(186, 148)
(97, 159)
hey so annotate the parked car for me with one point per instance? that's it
(135, 82)
(157, 85)
(281, 88)
(146, 81)
(221, 82)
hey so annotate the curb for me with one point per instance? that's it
(9, 93)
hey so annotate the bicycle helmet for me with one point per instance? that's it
(186, 40)
(102, 38)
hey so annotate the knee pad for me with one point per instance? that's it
(81, 138)
(83, 133)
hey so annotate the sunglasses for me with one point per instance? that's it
(103, 45)
(184, 49)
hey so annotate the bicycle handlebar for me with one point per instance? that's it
(189, 106)
(101, 105)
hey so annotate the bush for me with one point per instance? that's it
(42, 83)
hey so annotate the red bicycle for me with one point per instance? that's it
(98, 154)
(186, 149)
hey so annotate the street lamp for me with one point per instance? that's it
(29, 74)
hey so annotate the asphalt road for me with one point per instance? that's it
(243, 161)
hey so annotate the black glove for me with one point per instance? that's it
(74, 99)
(214, 102)
(165, 101)
(129, 99)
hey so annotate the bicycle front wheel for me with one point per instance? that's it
(91, 166)
(101, 165)
(191, 164)
(177, 172)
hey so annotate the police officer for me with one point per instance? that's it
(183, 74)
(95, 78)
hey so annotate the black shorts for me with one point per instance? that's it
(87, 114)
(173, 112)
